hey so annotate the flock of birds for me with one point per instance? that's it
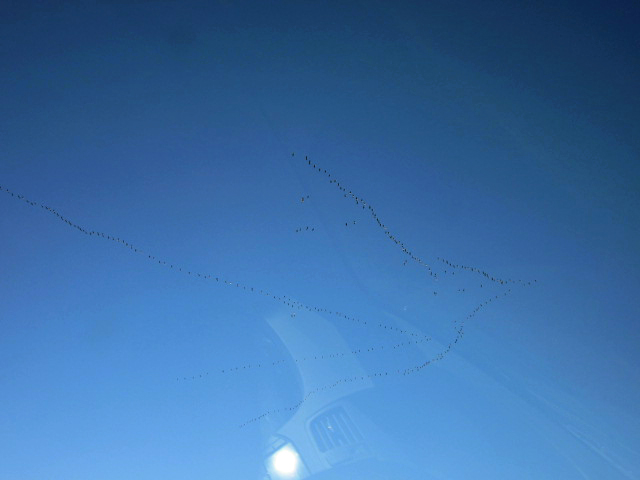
(412, 338)
(360, 202)
(326, 356)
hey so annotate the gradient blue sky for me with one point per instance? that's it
(490, 133)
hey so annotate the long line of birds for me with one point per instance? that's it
(327, 356)
(341, 354)
(284, 299)
(380, 374)
(296, 305)
(407, 371)
(459, 329)
(359, 201)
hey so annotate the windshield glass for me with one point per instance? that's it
(330, 240)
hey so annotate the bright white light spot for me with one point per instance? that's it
(286, 461)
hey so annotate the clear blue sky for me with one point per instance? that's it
(488, 133)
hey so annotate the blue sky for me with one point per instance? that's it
(487, 133)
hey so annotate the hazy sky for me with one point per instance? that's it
(491, 134)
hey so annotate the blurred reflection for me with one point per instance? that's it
(328, 432)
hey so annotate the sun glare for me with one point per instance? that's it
(286, 462)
